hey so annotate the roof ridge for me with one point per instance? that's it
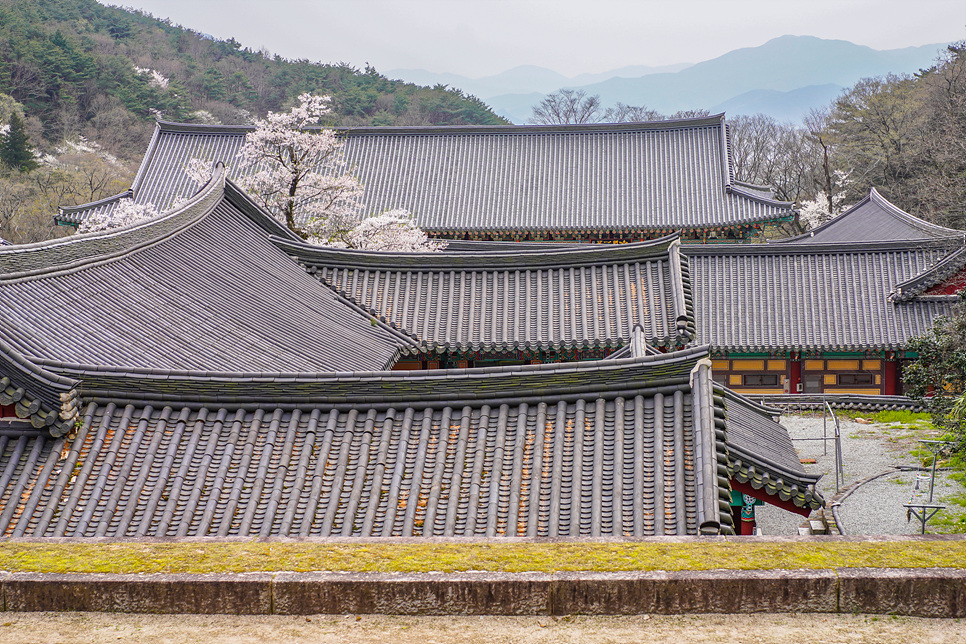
(912, 220)
(551, 257)
(890, 208)
(432, 387)
(66, 210)
(669, 124)
(87, 249)
(820, 248)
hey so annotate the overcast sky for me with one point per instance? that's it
(482, 37)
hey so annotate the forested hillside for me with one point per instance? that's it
(79, 67)
(903, 135)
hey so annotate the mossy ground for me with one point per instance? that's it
(233, 557)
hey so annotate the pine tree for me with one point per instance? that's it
(15, 150)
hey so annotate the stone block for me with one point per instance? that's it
(921, 592)
(412, 594)
(248, 593)
(714, 591)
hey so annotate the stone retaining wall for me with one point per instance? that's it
(923, 592)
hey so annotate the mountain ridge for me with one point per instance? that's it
(768, 78)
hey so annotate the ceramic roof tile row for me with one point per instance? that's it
(655, 176)
(47, 400)
(587, 465)
(163, 296)
(573, 297)
(831, 297)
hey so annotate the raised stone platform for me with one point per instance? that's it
(923, 592)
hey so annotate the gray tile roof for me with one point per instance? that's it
(943, 270)
(162, 296)
(827, 297)
(548, 298)
(761, 454)
(630, 447)
(874, 219)
(662, 176)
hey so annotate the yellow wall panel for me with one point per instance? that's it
(874, 392)
(734, 380)
(776, 365)
(748, 365)
(815, 365)
(721, 365)
(843, 365)
(830, 379)
(878, 379)
(871, 365)
(762, 391)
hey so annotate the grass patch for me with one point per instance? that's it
(130, 557)
(894, 416)
(952, 520)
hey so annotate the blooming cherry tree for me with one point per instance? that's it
(291, 169)
(199, 170)
(393, 230)
(125, 212)
(297, 172)
(823, 208)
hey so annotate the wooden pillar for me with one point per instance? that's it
(794, 372)
(890, 379)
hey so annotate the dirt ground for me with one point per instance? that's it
(24, 628)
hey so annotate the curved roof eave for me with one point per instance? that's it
(942, 270)
(432, 387)
(69, 253)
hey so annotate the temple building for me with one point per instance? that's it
(578, 183)
(831, 311)
(209, 373)
(204, 373)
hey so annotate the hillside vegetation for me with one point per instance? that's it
(87, 82)
(79, 67)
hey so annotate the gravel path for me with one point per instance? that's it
(867, 450)
(68, 628)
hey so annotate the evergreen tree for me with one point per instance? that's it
(15, 150)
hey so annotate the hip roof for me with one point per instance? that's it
(659, 176)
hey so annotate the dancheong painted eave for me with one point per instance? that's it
(636, 177)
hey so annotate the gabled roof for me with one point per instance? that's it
(553, 297)
(874, 219)
(822, 297)
(660, 176)
(162, 296)
(630, 447)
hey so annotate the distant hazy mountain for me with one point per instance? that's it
(772, 78)
(784, 106)
(525, 79)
